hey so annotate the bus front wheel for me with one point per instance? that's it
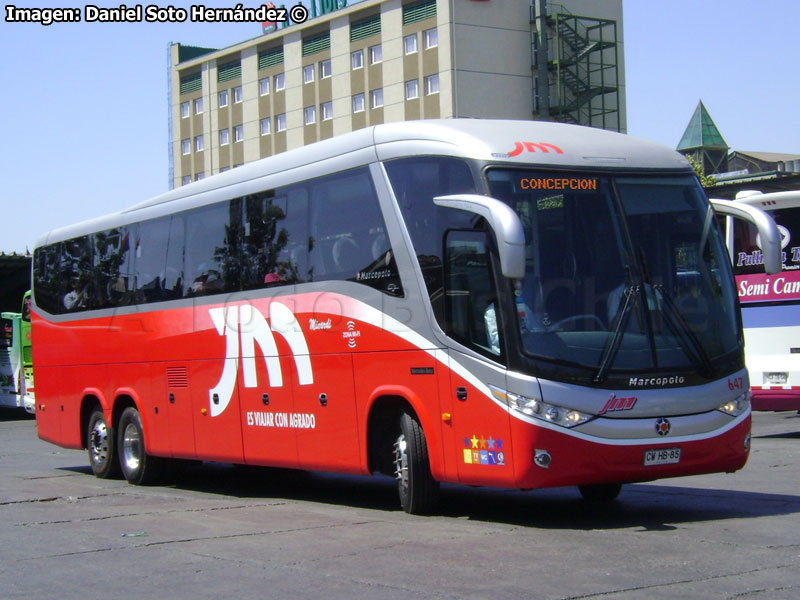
(418, 490)
(101, 446)
(138, 467)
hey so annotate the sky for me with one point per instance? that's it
(84, 107)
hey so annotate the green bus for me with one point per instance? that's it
(26, 351)
(16, 358)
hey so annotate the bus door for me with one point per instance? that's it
(481, 430)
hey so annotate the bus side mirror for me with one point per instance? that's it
(767, 230)
(504, 222)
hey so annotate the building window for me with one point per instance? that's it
(410, 43)
(186, 146)
(431, 37)
(199, 176)
(280, 82)
(224, 137)
(326, 111)
(358, 103)
(198, 106)
(186, 179)
(325, 69)
(222, 98)
(376, 98)
(263, 86)
(237, 94)
(266, 126)
(184, 109)
(412, 89)
(432, 84)
(280, 122)
(310, 115)
(308, 73)
(357, 59)
(198, 143)
(375, 54)
(238, 133)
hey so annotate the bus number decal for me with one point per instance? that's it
(736, 383)
(246, 325)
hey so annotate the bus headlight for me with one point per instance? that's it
(736, 406)
(533, 407)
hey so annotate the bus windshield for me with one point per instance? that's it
(623, 274)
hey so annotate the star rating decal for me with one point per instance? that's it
(484, 451)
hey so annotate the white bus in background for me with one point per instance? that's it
(770, 303)
(10, 360)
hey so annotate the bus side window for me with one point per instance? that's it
(111, 272)
(46, 262)
(349, 237)
(173, 271)
(275, 246)
(76, 290)
(471, 302)
(151, 255)
(213, 249)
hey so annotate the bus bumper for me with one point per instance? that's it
(550, 458)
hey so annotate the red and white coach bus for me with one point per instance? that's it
(511, 304)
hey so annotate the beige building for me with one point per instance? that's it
(377, 61)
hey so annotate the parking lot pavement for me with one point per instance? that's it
(216, 531)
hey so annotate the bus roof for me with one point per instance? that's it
(771, 201)
(511, 142)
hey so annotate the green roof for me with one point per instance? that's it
(701, 132)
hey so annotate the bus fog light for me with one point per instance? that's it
(747, 443)
(542, 458)
(736, 406)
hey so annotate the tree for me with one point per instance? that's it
(705, 180)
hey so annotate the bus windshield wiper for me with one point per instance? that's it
(684, 331)
(631, 293)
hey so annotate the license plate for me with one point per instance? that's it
(777, 378)
(662, 456)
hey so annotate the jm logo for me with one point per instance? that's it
(244, 326)
(533, 147)
(615, 404)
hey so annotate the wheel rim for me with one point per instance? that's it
(131, 448)
(401, 461)
(98, 443)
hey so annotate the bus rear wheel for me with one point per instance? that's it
(101, 446)
(418, 490)
(138, 467)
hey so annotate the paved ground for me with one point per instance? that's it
(225, 533)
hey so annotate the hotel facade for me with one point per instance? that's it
(378, 61)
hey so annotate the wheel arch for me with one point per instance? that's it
(382, 426)
(91, 398)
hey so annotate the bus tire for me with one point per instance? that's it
(418, 490)
(101, 446)
(138, 467)
(601, 493)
